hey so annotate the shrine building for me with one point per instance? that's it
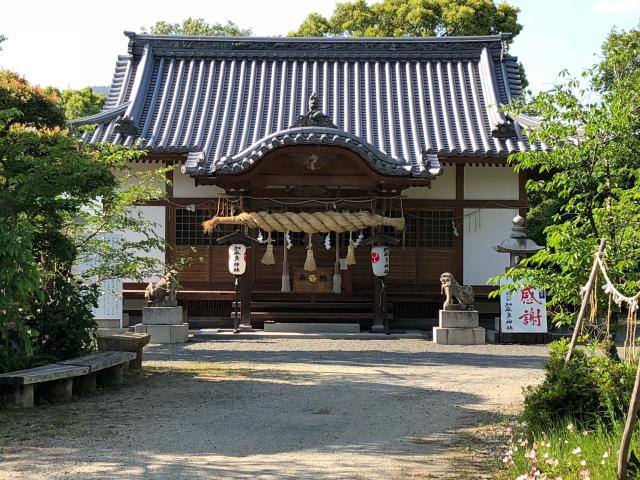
(397, 128)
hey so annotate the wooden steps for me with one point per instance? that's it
(285, 306)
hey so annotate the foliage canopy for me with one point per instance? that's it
(197, 27)
(56, 200)
(413, 18)
(80, 103)
(588, 178)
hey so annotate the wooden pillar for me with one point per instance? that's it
(347, 280)
(379, 295)
(245, 300)
(169, 218)
(522, 192)
(246, 285)
(458, 213)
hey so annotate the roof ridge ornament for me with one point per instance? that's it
(314, 117)
(126, 126)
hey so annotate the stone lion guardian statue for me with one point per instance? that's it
(453, 290)
(164, 292)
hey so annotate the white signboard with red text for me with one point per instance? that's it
(523, 311)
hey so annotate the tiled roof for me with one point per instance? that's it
(398, 102)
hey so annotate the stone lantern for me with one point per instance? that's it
(518, 246)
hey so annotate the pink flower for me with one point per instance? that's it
(552, 461)
(576, 451)
(584, 473)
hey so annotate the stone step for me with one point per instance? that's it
(165, 333)
(261, 316)
(297, 306)
(312, 327)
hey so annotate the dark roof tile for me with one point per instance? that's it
(226, 100)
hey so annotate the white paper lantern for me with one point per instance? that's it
(380, 261)
(237, 259)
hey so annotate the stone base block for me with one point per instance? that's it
(17, 396)
(113, 376)
(162, 315)
(458, 319)
(56, 391)
(84, 384)
(165, 333)
(458, 336)
(312, 327)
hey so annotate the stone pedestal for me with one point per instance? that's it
(458, 327)
(164, 324)
(162, 315)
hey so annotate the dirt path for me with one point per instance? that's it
(305, 408)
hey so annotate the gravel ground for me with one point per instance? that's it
(291, 408)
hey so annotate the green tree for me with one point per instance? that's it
(80, 103)
(39, 107)
(589, 177)
(413, 18)
(197, 27)
(56, 199)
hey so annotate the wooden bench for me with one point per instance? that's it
(57, 382)
(105, 369)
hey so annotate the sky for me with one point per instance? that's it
(72, 44)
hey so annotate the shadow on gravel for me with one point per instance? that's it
(342, 357)
(213, 420)
(181, 426)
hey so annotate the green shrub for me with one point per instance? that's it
(65, 322)
(590, 388)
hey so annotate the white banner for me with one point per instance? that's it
(523, 311)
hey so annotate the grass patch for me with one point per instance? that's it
(194, 369)
(563, 451)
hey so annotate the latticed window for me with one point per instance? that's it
(189, 228)
(429, 228)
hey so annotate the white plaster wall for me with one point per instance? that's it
(490, 183)
(155, 214)
(442, 188)
(184, 186)
(482, 230)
